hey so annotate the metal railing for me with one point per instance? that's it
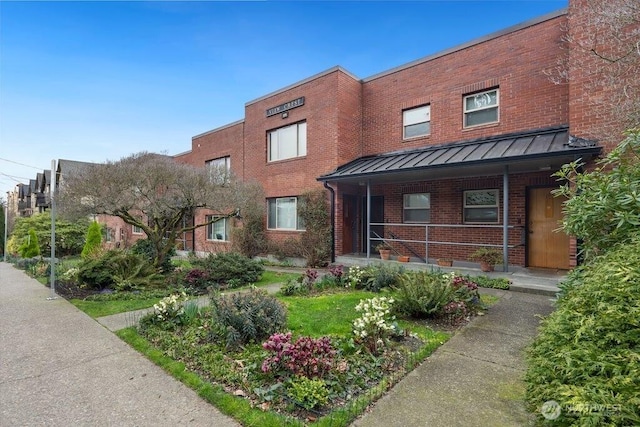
(428, 242)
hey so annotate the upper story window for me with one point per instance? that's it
(283, 214)
(136, 230)
(481, 108)
(287, 142)
(219, 229)
(219, 169)
(416, 122)
(416, 207)
(481, 206)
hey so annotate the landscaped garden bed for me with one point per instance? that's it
(326, 346)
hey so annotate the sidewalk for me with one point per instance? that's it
(58, 367)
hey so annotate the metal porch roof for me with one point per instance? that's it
(526, 151)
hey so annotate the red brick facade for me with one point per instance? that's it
(347, 118)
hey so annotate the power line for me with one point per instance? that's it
(21, 164)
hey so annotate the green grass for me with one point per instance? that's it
(269, 277)
(127, 303)
(325, 314)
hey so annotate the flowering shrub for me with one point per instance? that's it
(308, 357)
(310, 276)
(336, 271)
(355, 276)
(374, 327)
(169, 308)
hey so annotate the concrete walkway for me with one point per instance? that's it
(59, 367)
(475, 379)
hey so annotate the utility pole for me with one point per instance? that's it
(52, 191)
(6, 225)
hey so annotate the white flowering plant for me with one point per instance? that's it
(355, 277)
(169, 309)
(376, 325)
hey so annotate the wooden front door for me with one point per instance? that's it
(546, 247)
(349, 223)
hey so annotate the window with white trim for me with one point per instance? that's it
(481, 108)
(416, 122)
(218, 230)
(283, 214)
(287, 142)
(136, 230)
(481, 206)
(219, 169)
(416, 207)
(109, 235)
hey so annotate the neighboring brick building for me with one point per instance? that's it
(434, 149)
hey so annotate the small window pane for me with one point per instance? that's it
(271, 220)
(417, 215)
(420, 200)
(417, 130)
(482, 116)
(481, 214)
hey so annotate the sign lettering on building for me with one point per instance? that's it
(298, 102)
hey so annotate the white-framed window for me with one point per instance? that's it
(109, 235)
(416, 207)
(219, 169)
(218, 230)
(136, 230)
(416, 122)
(481, 206)
(287, 142)
(481, 108)
(283, 214)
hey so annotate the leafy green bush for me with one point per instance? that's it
(70, 236)
(316, 239)
(30, 247)
(94, 240)
(379, 276)
(308, 393)
(146, 249)
(246, 317)
(586, 355)
(230, 269)
(117, 269)
(603, 205)
(422, 294)
(490, 282)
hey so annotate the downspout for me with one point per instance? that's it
(505, 221)
(333, 221)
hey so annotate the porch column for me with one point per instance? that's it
(505, 216)
(368, 219)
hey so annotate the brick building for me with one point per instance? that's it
(437, 157)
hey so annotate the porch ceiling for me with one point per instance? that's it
(545, 149)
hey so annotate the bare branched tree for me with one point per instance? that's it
(153, 192)
(603, 38)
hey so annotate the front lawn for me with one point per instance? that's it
(319, 372)
(100, 305)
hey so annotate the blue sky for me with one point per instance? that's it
(96, 81)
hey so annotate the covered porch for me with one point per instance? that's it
(445, 201)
